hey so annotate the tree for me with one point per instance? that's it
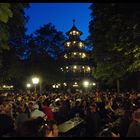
(44, 48)
(14, 34)
(113, 35)
(5, 14)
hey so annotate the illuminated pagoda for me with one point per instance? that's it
(76, 64)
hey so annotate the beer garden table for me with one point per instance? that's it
(70, 124)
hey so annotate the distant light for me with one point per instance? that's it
(83, 55)
(88, 68)
(67, 67)
(28, 85)
(4, 86)
(11, 86)
(75, 83)
(75, 67)
(68, 44)
(53, 86)
(56, 86)
(35, 80)
(74, 53)
(65, 84)
(80, 44)
(65, 56)
(94, 84)
(86, 83)
(83, 67)
(74, 32)
(74, 42)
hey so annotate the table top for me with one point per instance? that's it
(68, 125)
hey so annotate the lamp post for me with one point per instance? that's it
(35, 81)
(28, 85)
(86, 85)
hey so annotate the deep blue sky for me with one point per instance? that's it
(60, 15)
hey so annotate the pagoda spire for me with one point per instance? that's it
(73, 22)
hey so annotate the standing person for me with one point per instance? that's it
(93, 121)
(47, 110)
(36, 112)
(134, 128)
(22, 116)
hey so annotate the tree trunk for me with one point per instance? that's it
(118, 86)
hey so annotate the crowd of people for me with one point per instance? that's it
(105, 114)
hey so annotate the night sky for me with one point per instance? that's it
(60, 15)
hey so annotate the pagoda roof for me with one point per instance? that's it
(74, 28)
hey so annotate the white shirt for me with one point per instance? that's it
(37, 113)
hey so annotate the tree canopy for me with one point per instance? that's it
(114, 31)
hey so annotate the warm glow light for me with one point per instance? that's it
(68, 44)
(35, 80)
(53, 86)
(80, 44)
(67, 67)
(83, 55)
(75, 83)
(11, 86)
(65, 84)
(74, 53)
(83, 67)
(56, 86)
(86, 84)
(74, 42)
(88, 68)
(65, 56)
(94, 84)
(4, 86)
(75, 67)
(74, 32)
(77, 33)
(28, 85)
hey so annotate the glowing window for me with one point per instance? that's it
(77, 33)
(68, 44)
(74, 42)
(88, 68)
(65, 56)
(83, 55)
(81, 44)
(74, 32)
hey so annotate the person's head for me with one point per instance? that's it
(35, 106)
(93, 107)
(30, 105)
(46, 102)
